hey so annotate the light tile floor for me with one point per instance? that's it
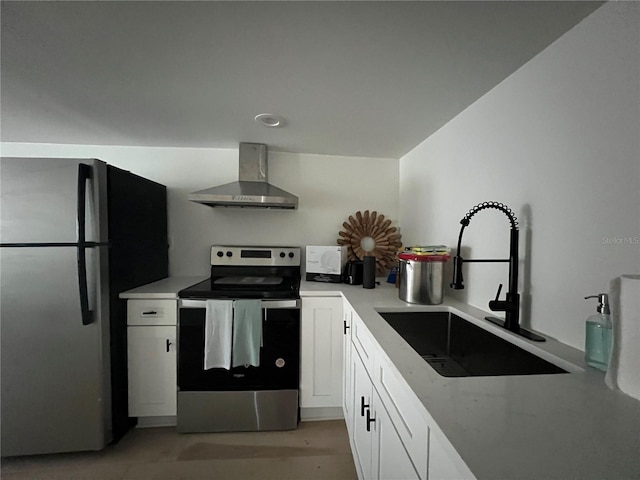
(315, 451)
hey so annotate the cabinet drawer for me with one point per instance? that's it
(405, 412)
(363, 342)
(152, 312)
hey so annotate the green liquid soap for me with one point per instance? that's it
(598, 343)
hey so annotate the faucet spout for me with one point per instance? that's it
(457, 283)
(510, 306)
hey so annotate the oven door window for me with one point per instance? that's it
(279, 356)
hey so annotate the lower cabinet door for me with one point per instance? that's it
(362, 434)
(378, 451)
(152, 371)
(347, 384)
(321, 359)
(391, 460)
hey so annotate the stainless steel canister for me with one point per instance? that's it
(421, 278)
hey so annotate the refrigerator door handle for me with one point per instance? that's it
(84, 174)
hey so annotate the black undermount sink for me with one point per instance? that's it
(455, 347)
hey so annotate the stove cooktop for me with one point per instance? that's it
(250, 272)
(243, 287)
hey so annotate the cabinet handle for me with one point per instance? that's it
(150, 312)
(345, 326)
(370, 420)
(363, 406)
(168, 343)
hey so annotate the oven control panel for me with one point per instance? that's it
(255, 256)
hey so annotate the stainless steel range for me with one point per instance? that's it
(262, 394)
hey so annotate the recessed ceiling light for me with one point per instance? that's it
(270, 120)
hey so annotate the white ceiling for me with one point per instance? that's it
(351, 78)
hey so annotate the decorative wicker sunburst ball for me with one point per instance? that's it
(375, 234)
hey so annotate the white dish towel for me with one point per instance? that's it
(247, 333)
(218, 326)
(624, 367)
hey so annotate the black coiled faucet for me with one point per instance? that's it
(511, 305)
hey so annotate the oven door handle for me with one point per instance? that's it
(266, 304)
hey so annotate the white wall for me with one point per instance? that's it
(558, 142)
(329, 189)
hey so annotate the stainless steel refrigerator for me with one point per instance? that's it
(74, 234)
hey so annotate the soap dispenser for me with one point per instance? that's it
(599, 338)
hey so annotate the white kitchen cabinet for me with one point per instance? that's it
(151, 350)
(347, 375)
(362, 436)
(152, 371)
(392, 435)
(378, 450)
(391, 459)
(321, 357)
(405, 411)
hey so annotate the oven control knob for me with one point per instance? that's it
(229, 253)
(281, 254)
(290, 254)
(220, 254)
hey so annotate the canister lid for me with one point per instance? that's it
(416, 257)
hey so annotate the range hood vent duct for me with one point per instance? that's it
(252, 190)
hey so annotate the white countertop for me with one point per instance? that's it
(167, 288)
(565, 426)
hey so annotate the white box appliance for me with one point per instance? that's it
(325, 263)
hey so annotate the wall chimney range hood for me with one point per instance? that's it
(252, 189)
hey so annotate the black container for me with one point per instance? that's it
(369, 272)
(353, 273)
